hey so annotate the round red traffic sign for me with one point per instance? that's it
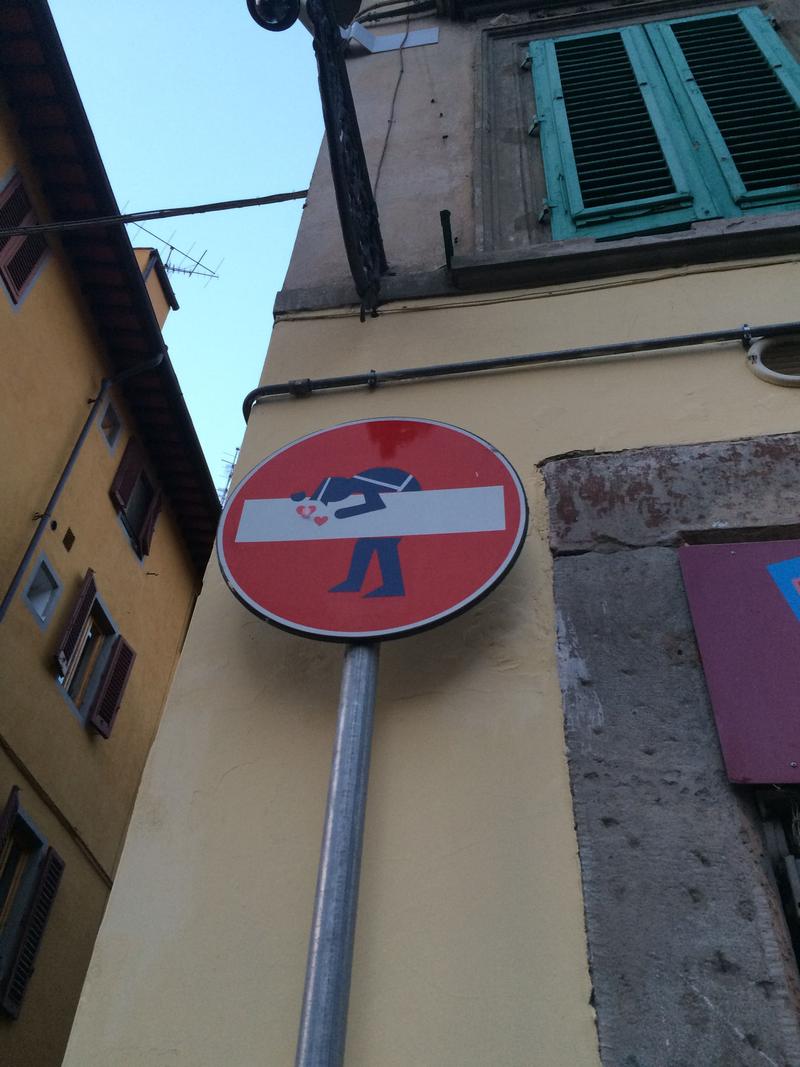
(372, 529)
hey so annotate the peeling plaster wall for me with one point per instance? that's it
(689, 951)
(415, 113)
(445, 126)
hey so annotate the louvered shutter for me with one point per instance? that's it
(149, 524)
(8, 815)
(19, 256)
(31, 932)
(129, 469)
(111, 688)
(743, 87)
(20, 265)
(617, 159)
(14, 208)
(80, 613)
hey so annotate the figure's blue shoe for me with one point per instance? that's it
(345, 587)
(385, 590)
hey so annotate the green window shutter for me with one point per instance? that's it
(617, 158)
(734, 79)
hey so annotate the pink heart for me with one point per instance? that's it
(306, 510)
(320, 520)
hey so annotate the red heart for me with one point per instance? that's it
(306, 510)
(320, 520)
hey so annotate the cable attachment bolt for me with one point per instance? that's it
(372, 380)
(747, 337)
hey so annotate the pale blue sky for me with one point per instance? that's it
(192, 102)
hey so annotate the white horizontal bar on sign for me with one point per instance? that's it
(432, 511)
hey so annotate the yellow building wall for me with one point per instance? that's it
(153, 285)
(470, 945)
(52, 363)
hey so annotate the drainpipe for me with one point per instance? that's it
(45, 516)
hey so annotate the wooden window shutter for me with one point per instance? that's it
(80, 613)
(8, 815)
(20, 265)
(743, 86)
(111, 689)
(31, 931)
(14, 207)
(19, 256)
(149, 523)
(617, 158)
(129, 469)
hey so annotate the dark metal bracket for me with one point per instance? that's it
(358, 212)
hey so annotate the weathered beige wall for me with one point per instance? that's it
(418, 148)
(423, 119)
(470, 947)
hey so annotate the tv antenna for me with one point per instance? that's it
(228, 463)
(177, 261)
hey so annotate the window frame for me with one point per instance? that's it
(675, 114)
(569, 216)
(102, 695)
(42, 621)
(33, 895)
(131, 470)
(111, 439)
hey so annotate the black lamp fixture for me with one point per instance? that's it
(279, 15)
(274, 14)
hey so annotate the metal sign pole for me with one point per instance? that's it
(323, 1023)
(448, 482)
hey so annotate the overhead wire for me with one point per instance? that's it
(144, 216)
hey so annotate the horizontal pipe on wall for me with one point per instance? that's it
(302, 387)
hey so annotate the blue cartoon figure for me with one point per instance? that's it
(371, 484)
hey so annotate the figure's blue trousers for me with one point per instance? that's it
(388, 560)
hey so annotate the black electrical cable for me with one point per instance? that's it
(143, 216)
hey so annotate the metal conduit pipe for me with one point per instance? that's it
(45, 516)
(302, 387)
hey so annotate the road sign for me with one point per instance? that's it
(372, 529)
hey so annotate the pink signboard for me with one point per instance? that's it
(745, 605)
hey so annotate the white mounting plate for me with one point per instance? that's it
(389, 42)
